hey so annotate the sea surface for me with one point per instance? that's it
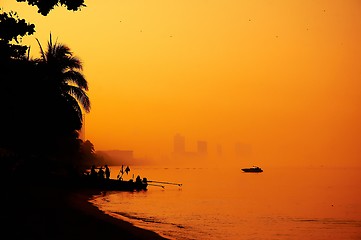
(313, 203)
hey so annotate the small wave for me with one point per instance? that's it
(307, 220)
(133, 216)
(330, 221)
(177, 225)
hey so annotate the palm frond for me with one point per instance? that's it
(75, 63)
(63, 75)
(75, 106)
(79, 95)
(76, 78)
(50, 40)
(43, 55)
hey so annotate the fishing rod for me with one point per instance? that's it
(178, 184)
(156, 185)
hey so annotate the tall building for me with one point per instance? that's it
(179, 144)
(202, 148)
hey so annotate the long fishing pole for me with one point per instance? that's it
(156, 185)
(178, 184)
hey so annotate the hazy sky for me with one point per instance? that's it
(282, 76)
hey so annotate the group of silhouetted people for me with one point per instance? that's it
(101, 173)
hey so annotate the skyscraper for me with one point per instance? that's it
(202, 148)
(179, 144)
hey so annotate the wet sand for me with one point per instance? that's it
(43, 212)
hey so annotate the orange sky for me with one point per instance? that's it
(282, 76)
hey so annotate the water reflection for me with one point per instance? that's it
(213, 203)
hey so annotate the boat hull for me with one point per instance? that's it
(114, 184)
(119, 185)
(252, 170)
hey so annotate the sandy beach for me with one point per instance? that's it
(31, 211)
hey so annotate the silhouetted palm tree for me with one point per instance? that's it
(63, 79)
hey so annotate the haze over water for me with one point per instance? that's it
(282, 76)
(315, 203)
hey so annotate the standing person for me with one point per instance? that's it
(101, 173)
(138, 180)
(93, 173)
(107, 172)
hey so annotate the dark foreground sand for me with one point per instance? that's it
(43, 212)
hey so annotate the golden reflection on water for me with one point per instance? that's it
(215, 203)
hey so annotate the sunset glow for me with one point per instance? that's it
(282, 77)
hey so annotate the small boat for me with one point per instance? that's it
(114, 184)
(97, 180)
(252, 169)
(121, 185)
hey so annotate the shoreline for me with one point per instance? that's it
(129, 231)
(30, 211)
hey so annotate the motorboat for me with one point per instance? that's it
(253, 169)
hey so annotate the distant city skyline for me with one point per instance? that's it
(183, 151)
(202, 150)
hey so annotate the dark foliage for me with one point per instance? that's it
(41, 101)
(12, 29)
(45, 6)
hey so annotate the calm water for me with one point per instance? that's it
(215, 203)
